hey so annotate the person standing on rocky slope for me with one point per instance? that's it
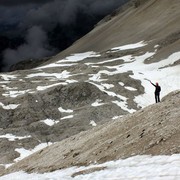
(157, 91)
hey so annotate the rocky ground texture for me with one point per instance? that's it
(153, 130)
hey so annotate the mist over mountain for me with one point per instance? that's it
(36, 29)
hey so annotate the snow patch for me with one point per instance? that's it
(8, 77)
(117, 117)
(130, 88)
(97, 103)
(67, 117)
(93, 123)
(25, 153)
(130, 46)
(12, 137)
(65, 110)
(49, 122)
(133, 168)
(9, 106)
(121, 83)
(42, 88)
(65, 74)
(14, 94)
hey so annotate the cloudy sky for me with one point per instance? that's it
(40, 28)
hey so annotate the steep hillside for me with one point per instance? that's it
(154, 130)
(152, 20)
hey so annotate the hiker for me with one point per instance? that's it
(157, 91)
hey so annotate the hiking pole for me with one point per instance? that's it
(147, 79)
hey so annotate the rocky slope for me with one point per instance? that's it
(154, 130)
(74, 92)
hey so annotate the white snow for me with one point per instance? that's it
(133, 168)
(124, 106)
(25, 153)
(71, 60)
(168, 77)
(65, 74)
(71, 81)
(80, 56)
(67, 117)
(107, 86)
(130, 46)
(52, 65)
(49, 122)
(130, 88)
(9, 106)
(4, 82)
(42, 88)
(116, 117)
(65, 110)
(14, 94)
(122, 100)
(97, 103)
(8, 88)
(121, 83)
(8, 77)
(12, 137)
(93, 123)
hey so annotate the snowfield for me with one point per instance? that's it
(133, 168)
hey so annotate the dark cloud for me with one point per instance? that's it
(35, 46)
(21, 2)
(55, 23)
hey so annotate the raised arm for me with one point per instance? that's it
(153, 84)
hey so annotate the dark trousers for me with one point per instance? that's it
(157, 98)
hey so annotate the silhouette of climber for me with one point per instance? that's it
(157, 92)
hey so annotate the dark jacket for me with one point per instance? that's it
(158, 88)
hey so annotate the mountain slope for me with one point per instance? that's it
(153, 130)
(69, 95)
(153, 20)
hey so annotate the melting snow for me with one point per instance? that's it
(52, 65)
(67, 117)
(80, 56)
(133, 168)
(93, 123)
(49, 122)
(65, 74)
(116, 117)
(12, 137)
(121, 83)
(65, 110)
(8, 77)
(97, 103)
(14, 94)
(42, 88)
(122, 100)
(71, 59)
(25, 153)
(130, 46)
(107, 86)
(130, 88)
(9, 106)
